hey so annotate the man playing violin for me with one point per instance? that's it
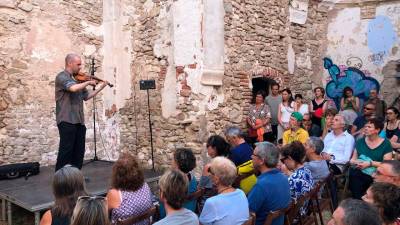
(70, 94)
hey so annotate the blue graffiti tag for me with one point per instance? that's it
(354, 78)
(381, 37)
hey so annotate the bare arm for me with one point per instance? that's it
(81, 86)
(356, 104)
(95, 92)
(394, 143)
(279, 114)
(342, 103)
(46, 219)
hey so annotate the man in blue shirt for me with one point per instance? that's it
(271, 192)
(241, 151)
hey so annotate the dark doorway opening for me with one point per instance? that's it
(261, 83)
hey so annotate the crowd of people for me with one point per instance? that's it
(290, 147)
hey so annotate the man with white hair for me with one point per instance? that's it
(355, 212)
(69, 95)
(271, 192)
(339, 145)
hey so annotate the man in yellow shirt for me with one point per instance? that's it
(295, 133)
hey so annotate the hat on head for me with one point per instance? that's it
(298, 116)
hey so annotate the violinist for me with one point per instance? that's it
(70, 94)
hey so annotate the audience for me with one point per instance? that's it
(230, 206)
(392, 127)
(129, 194)
(316, 164)
(318, 106)
(90, 211)
(241, 157)
(339, 145)
(273, 100)
(271, 192)
(295, 132)
(299, 105)
(216, 146)
(68, 185)
(300, 178)
(349, 105)
(368, 112)
(285, 109)
(259, 119)
(380, 105)
(370, 151)
(173, 188)
(327, 121)
(386, 197)
(355, 212)
(312, 129)
(185, 161)
(388, 171)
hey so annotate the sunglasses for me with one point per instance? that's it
(366, 108)
(91, 198)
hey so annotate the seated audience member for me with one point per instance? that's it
(349, 105)
(185, 161)
(370, 151)
(392, 127)
(358, 125)
(300, 178)
(299, 105)
(312, 129)
(386, 197)
(173, 188)
(68, 185)
(388, 171)
(230, 206)
(327, 121)
(241, 157)
(90, 211)
(339, 145)
(271, 192)
(129, 194)
(216, 146)
(380, 105)
(316, 164)
(355, 212)
(295, 132)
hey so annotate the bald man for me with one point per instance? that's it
(69, 95)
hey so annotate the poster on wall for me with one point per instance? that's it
(298, 10)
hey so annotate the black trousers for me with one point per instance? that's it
(274, 132)
(72, 145)
(359, 182)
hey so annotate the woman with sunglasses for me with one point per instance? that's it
(392, 127)
(68, 185)
(129, 195)
(90, 210)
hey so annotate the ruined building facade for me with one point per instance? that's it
(206, 56)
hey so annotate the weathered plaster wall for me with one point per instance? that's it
(366, 40)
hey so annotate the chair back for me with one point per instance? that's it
(152, 213)
(275, 214)
(251, 220)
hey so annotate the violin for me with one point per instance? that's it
(82, 77)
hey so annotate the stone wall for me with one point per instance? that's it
(35, 36)
(201, 86)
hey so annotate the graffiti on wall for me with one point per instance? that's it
(381, 38)
(352, 77)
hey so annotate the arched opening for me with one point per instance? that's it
(261, 83)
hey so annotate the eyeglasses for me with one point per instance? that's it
(389, 113)
(366, 108)
(283, 159)
(90, 198)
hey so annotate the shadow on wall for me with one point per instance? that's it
(353, 78)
